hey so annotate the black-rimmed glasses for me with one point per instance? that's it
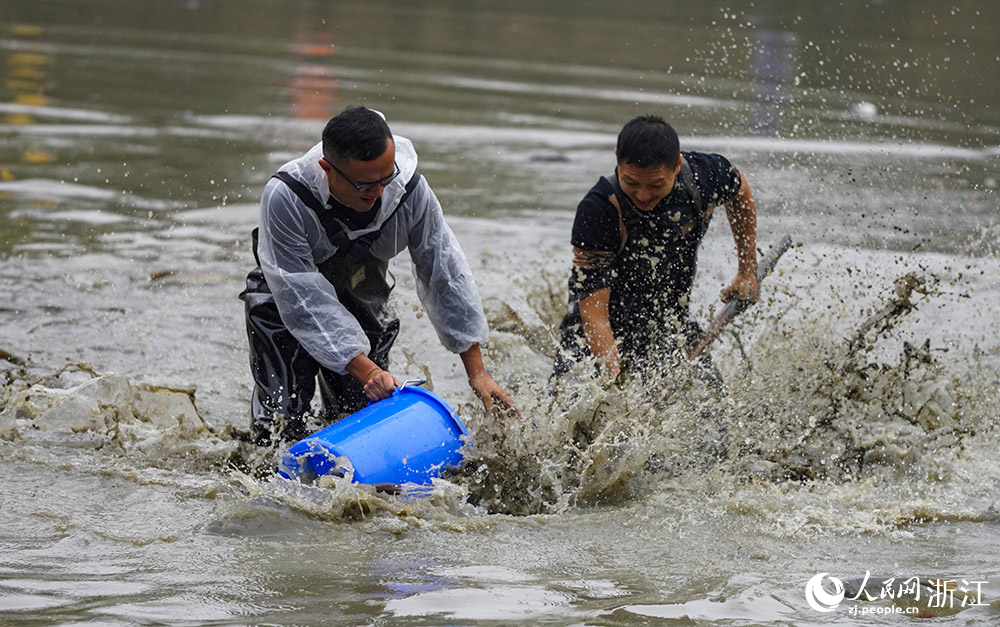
(364, 187)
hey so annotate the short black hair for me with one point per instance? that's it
(356, 133)
(648, 141)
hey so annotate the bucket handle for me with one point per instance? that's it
(412, 382)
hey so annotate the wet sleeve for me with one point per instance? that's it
(306, 301)
(444, 280)
(719, 181)
(596, 239)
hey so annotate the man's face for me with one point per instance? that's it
(372, 176)
(646, 187)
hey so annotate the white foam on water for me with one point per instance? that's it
(169, 608)
(82, 588)
(71, 192)
(492, 602)
(246, 122)
(572, 91)
(740, 608)
(80, 115)
(15, 602)
(49, 188)
(83, 130)
(912, 149)
(95, 217)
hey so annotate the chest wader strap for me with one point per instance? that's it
(304, 194)
(354, 250)
(336, 231)
(357, 276)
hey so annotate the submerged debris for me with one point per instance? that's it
(85, 408)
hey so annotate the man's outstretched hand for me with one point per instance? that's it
(483, 385)
(492, 395)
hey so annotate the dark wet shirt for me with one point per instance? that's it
(651, 277)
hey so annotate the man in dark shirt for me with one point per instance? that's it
(635, 249)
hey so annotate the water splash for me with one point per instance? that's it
(863, 431)
(816, 431)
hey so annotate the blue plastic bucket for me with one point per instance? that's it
(409, 437)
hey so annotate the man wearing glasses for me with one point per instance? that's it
(317, 303)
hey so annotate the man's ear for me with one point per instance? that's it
(677, 170)
(323, 164)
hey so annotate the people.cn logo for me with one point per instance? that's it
(821, 600)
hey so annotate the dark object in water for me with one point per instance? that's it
(548, 159)
(156, 275)
(14, 359)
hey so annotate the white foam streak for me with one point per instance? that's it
(919, 150)
(84, 130)
(80, 115)
(613, 95)
(48, 189)
(511, 136)
(493, 135)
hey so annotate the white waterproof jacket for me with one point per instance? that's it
(292, 242)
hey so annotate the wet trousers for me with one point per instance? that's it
(635, 350)
(285, 375)
(640, 354)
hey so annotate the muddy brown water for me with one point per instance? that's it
(857, 431)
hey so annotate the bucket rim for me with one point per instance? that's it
(438, 401)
